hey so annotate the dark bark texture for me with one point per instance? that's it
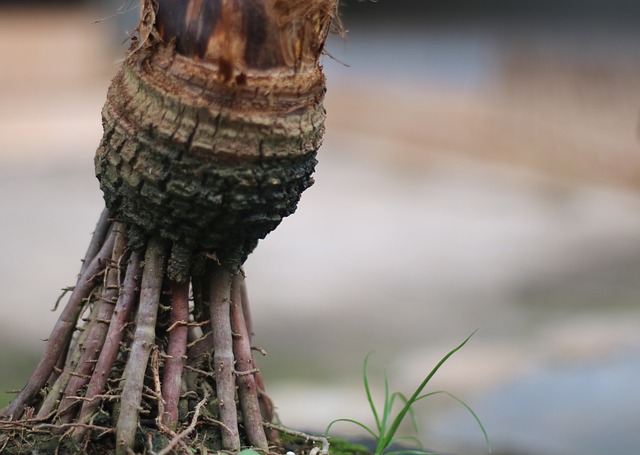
(211, 133)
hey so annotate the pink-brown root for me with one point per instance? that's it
(176, 352)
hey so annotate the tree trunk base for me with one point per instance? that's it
(30, 441)
(141, 363)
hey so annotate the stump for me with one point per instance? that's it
(211, 129)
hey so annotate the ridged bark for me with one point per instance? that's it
(211, 134)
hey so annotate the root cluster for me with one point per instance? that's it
(146, 363)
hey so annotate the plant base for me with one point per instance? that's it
(139, 362)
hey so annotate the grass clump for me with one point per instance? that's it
(388, 422)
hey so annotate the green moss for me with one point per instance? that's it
(337, 446)
(343, 447)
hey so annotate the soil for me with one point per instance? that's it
(39, 443)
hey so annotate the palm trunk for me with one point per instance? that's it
(210, 134)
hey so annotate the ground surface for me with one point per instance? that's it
(467, 181)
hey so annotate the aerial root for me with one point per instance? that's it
(176, 352)
(245, 369)
(220, 304)
(61, 334)
(109, 352)
(97, 332)
(143, 340)
(136, 350)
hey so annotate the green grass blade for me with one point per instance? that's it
(412, 414)
(467, 407)
(355, 422)
(372, 405)
(413, 440)
(403, 412)
(388, 402)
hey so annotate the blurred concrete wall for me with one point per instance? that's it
(480, 169)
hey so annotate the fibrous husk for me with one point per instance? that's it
(211, 134)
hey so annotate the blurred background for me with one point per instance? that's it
(481, 170)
